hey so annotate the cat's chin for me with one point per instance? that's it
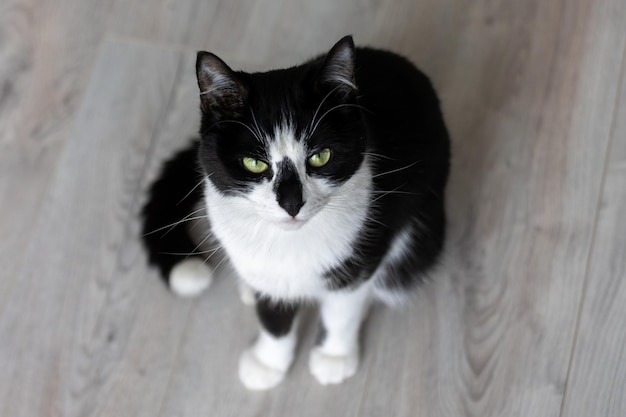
(290, 224)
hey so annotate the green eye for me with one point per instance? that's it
(320, 159)
(254, 165)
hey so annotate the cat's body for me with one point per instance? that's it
(321, 182)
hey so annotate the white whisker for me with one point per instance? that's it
(202, 242)
(258, 129)
(321, 104)
(184, 219)
(257, 137)
(219, 263)
(395, 170)
(332, 109)
(386, 193)
(393, 192)
(193, 226)
(376, 155)
(370, 219)
(190, 254)
(191, 191)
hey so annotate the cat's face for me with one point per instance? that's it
(282, 142)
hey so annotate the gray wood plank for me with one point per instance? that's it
(164, 21)
(530, 113)
(495, 324)
(198, 24)
(205, 380)
(143, 371)
(266, 34)
(44, 68)
(67, 324)
(598, 375)
(528, 89)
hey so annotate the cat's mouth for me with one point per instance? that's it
(291, 223)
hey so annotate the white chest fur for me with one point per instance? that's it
(289, 264)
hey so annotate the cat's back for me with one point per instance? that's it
(391, 84)
(405, 119)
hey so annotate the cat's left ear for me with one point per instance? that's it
(339, 68)
(221, 91)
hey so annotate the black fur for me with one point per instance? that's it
(172, 198)
(393, 117)
(406, 128)
(288, 188)
(277, 319)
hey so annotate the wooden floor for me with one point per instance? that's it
(526, 316)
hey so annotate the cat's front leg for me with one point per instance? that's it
(265, 364)
(336, 357)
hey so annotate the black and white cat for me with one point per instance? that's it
(320, 182)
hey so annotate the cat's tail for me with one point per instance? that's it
(172, 202)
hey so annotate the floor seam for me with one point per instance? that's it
(581, 303)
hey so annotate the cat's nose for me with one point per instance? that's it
(293, 208)
(289, 196)
(288, 188)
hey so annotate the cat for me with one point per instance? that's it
(322, 182)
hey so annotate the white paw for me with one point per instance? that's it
(247, 295)
(332, 369)
(190, 277)
(256, 375)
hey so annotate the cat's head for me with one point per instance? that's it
(284, 141)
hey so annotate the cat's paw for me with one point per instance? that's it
(332, 369)
(256, 375)
(190, 277)
(246, 294)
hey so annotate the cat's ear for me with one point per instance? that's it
(221, 90)
(338, 69)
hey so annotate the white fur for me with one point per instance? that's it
(342, 312)
(266, 363)
(399, 249)
(273, 254)
(332, 369)
(190, 277)
(271, 251)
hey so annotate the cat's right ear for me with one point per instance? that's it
(222, 93)
(338, 70)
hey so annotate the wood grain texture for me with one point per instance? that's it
(205, 380)
(65, 327)
(266, 34)
(529, 90)
(164, 20)
(44, 68)
(598, 374)
(522, 199)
